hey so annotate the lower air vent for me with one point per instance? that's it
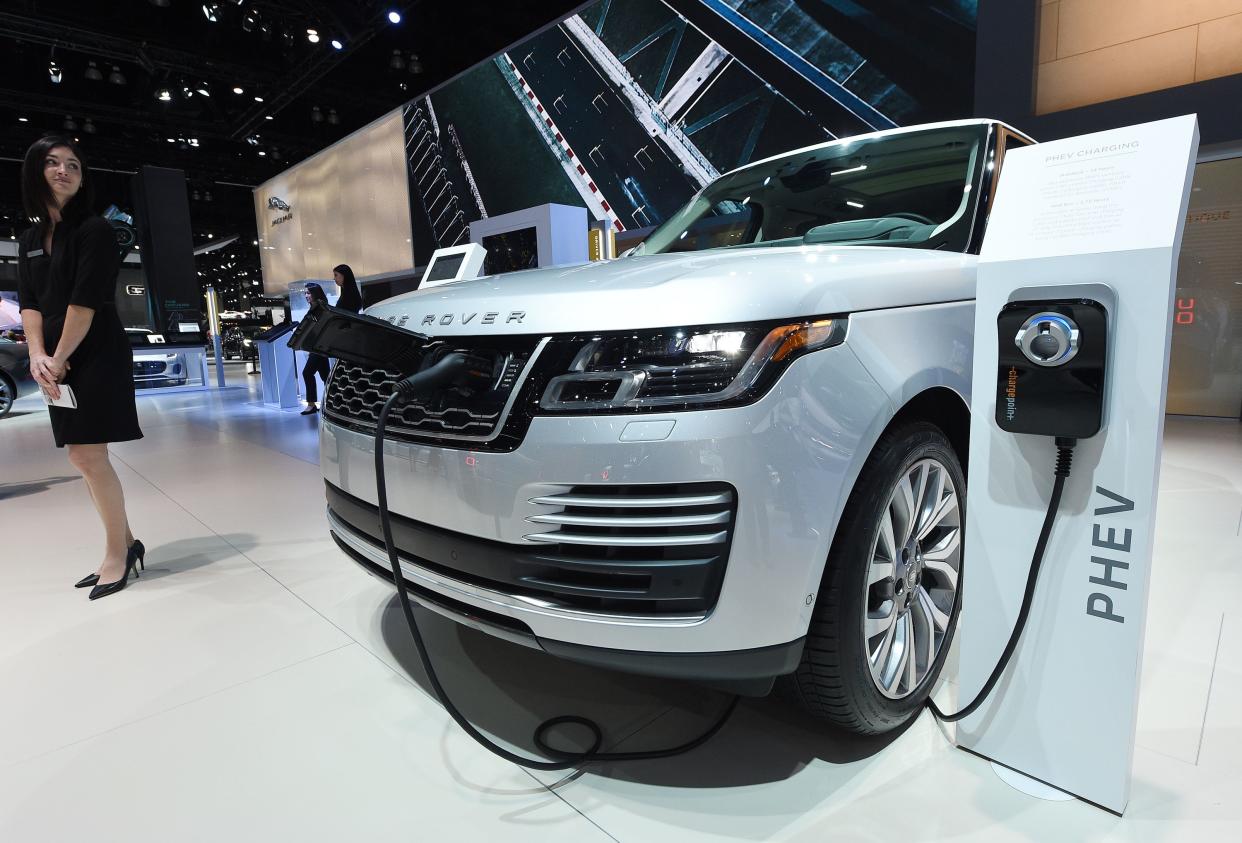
(664, 545)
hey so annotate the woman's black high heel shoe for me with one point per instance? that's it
(136, 550)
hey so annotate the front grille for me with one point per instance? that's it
(356, 394)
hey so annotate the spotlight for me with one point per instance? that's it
(70, 124)
(332, 118)
(316, 115)
(249, 22)
(268, 117)
(203, 89)
(258, 99)
(92, 72)
(88, 127)
(416, 66)
(394, 17)
(163, 4)
(337, 45)
(23, 119)
(163, 95)
(116, 77)
(211, 11)
(312, 36)
(54, 72)
(396, 62)
(261, 152)
(195, 196)
(238, 90)
(207, 196)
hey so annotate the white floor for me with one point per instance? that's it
(255, 685)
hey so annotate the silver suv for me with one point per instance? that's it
(735, 455)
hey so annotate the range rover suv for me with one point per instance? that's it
(735, 455)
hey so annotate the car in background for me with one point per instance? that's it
(238, 342)
(153, 366)
(15, 379)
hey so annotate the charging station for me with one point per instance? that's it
(1073, 324)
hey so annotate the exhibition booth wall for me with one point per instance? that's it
(348, 204)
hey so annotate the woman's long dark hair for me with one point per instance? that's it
(351, 298)
(316, 292)
(37, 195)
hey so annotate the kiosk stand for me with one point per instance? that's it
(277, 367)
(1095, 217)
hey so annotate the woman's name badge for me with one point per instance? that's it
(34, 253)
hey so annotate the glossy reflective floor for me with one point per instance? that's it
(255, 685)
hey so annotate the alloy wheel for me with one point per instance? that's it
(912, 578)
(6, 397)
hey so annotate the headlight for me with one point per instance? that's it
(679, 368)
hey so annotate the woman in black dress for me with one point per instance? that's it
(67, 272)
(316, 364)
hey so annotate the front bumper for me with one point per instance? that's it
(791, 457)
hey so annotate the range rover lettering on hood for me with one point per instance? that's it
(489, 318)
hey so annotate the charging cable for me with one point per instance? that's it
(447, 369)
(1065, 458)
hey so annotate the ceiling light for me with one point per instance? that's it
(394, 17)
(268, 117)
(163, 95)
(396, 62)
(261, 152)
(312, 36)
(202, 89)
(258, 99)
(249, 22)
(207, 196)
(70, 124)
(116, 77)
(54, 72)
(211, 11)
(23, 119)
(163, 4)
(416, 66)
(92, 72)
(238, 90)
(88, 127)
(316, 115)
(332, 118)
(337, 45)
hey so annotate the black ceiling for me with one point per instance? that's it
(313, 94)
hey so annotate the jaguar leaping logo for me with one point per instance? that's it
(276, 204)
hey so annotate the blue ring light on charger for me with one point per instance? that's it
(1048, 339)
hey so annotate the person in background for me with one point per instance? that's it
(316, 364)
(67, 269)
(350, 299)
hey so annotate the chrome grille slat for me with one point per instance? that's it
(635, 502)
(610, 540)
(571, 520)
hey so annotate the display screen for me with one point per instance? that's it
(511, 251)
(445, 268)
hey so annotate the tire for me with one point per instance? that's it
(843, 669)
(8, 394)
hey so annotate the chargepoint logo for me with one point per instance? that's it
(1011, 394)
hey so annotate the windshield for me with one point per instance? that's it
(909, 189)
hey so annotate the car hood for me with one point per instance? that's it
(652, 291)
